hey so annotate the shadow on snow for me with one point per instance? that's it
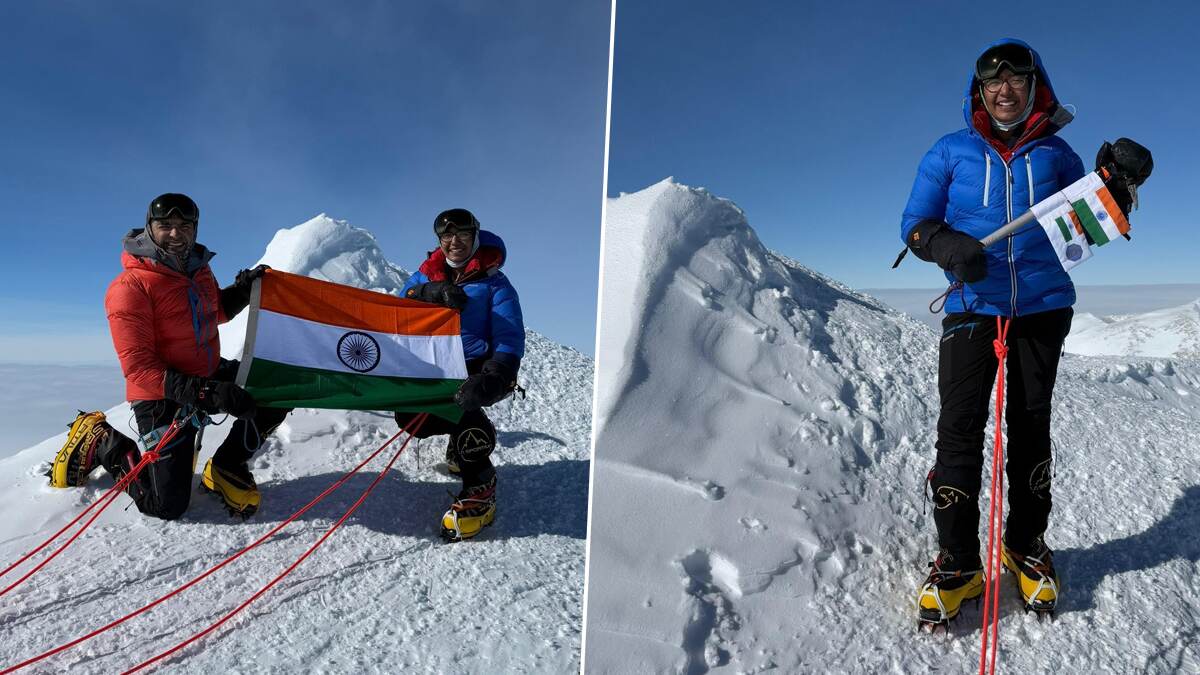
(1171, 538)
(532, 500)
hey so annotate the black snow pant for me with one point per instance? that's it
(472, 439)
(163, 488)
(966, 374)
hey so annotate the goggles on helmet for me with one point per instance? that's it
(458, 220)
(181, 205)
(1016, 58)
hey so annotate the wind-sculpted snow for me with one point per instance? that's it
(763, 435)
(334, 250)
(327, 249)
(1169, 333)
(383, 594)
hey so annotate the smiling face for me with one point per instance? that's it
(173, 234)
(457, 244)
(1006, 96)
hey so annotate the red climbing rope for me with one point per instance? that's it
(991, 589)
(350, 511)
(415, 424)
(105, 500)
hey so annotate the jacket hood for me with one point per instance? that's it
(1046, 109)
(493, 241)
(139, 245)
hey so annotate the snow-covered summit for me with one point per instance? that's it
(763, 434)
(322, 248)
(383, 594)
(1168, 333)
(334, 250)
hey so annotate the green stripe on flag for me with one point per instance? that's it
(280, 385)
(1066, 231)
(1089, 222)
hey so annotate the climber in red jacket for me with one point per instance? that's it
(163, 311)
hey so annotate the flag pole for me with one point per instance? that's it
(1020, 221)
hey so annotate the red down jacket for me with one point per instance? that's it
(162, 317)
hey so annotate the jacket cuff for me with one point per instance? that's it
(510, 361)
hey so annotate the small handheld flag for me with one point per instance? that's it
(1082, 214)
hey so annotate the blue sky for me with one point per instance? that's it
(268, 113)
(813, 116)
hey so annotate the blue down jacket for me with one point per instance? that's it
(976, 184)
(492, 326)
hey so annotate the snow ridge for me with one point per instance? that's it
(763, 437)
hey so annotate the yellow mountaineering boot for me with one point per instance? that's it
(235, 485)
(951, 580)
(473, 510)
(74, 463)
(1035, 576)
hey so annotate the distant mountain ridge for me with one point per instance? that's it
(1166, 333)
(1100, 301)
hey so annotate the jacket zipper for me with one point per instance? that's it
(1029, 175)
(1012, 267)
(987, 175)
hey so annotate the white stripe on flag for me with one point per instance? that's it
(300, 342)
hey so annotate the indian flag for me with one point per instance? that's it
(1098, 212)
(316, 344)
(1081, 214)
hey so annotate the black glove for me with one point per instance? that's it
(210, 396)
(228, 397)
(957, 253)
(226, 370)
(1128, 165)
(441, 293)
(234, 298)
(245, 278)
(494, 382)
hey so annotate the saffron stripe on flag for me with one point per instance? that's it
(280, 385)
(1114, 211)
(329, 303)
(311, 344)
(1089, 222)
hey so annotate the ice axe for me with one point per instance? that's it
(1124, 165)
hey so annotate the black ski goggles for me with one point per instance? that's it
(1016, 58)
(171, 203)
(458, 220)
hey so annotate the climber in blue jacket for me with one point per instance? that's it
(463, 273)
(968, 185)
